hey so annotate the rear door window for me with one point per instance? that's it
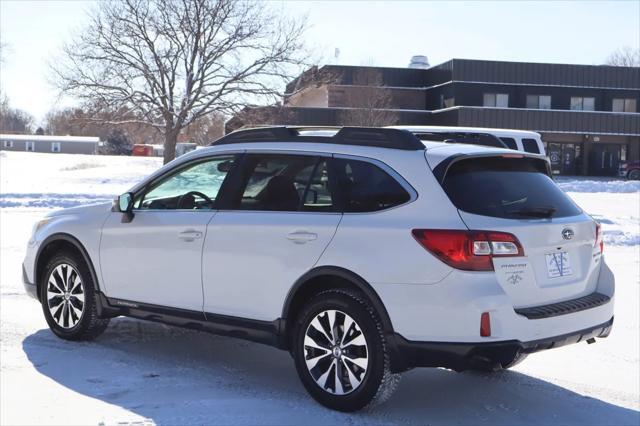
(513, 188)
(274, 182)
(530, 145)
(365, 187)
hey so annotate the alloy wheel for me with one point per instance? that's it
(336, 352)
(65, 295)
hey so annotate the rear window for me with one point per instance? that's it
(510, 143)
(530, 145)
(513, 188)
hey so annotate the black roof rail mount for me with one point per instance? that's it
(355, 136)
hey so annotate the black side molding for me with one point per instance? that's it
(266, 332)
(562, 308)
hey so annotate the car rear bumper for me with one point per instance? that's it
(451, 310)
(464, 356)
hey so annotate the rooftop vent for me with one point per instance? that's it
(419, 61)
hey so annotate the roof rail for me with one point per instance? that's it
(356, 136)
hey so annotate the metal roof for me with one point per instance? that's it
(50, 138)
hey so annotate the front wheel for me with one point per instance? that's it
(68, 298)
(340, 352)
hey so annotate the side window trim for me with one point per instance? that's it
(157, 180)
(413, 194)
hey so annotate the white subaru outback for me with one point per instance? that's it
(364, 252)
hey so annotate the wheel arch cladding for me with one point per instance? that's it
(57, 243)
(326, 278)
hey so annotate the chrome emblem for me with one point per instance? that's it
(567, 233)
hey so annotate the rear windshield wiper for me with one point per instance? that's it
(542, 211)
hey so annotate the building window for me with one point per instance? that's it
(583, 104)
(55, 146)
(8, 144)
(498, 100)
(30, 146)
(624, 105)
(539, 101)
(449, 102)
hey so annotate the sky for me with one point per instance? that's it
(382, 33)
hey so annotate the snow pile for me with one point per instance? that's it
(35, 180)
(589, 184)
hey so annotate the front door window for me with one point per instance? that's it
(195, 187)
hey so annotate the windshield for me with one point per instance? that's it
(514, 188)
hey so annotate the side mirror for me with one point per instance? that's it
(125, 205)
(125, 202)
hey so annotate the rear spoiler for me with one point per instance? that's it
(440, 171)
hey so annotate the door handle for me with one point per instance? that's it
(190, 235)
(301, 237)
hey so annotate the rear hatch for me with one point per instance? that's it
(515, 194)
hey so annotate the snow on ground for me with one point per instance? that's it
(146, 373)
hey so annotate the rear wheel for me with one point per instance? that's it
(634, 175)
(69, 298)
(340, 352)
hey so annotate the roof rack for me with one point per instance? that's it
(472, 138)
(357, 136)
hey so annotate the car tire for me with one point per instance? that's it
(340, 352)
(634, 175)
(69, 298)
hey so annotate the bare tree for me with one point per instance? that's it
(14, 120)
(173, 61)
(204, 130)
(256, 116)
(369, 101)
(625, 57)
(96, 121)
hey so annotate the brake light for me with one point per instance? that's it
(599, 240)
(468, 250)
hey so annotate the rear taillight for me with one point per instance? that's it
(485, 325)
(599, 240)
(468, 250)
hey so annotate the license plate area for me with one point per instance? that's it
(558, 264)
